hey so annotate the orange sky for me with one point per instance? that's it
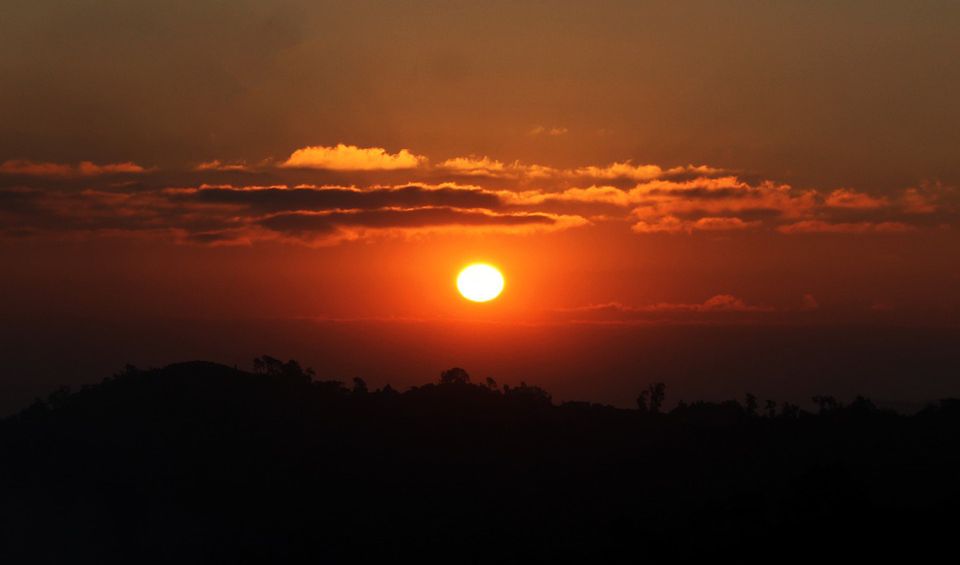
(351, 232)
(624, 163)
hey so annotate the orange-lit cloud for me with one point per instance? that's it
(720, 307)
(627, 170)
(474, 166)
(485, 166)
(820, 226)
(729, 203)
(332, 226)
(928, 198)
(217, 165)
(847, 198)
(620, 170)
(672, 224)
(590, 195)
(501, 197)
(314, 215)
(723, 224)
(263, 200)
(551, 131)
(83, 169)
(716, 303)
(352, 158)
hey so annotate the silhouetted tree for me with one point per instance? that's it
(388, 391)
(658, 392)
(750, 405)
(59, 397)
(454, 375)
(128, 370)
(528, 393)
(643, 401)
(826, 403)
(359, 386)
(788, 410)
(266, 365)
(273, 367)
(651, 400)
(862, 405)
(491, 384)
(330, 389)
(292, 369)
(771, 408)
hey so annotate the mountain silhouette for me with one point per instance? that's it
(200, 462)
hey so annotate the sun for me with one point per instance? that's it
(480, 282)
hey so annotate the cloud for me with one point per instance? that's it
(720, 195)
(590, 195)
(723, 224)
(620, 170)
(672, 224)
(720, 307)
(473, 165)
(552, 131)
(273, 199)
(820, 226)
(847, 198)
(670, 206)
(729, 203)
(83, 169)
(352, 158)
(627, 170)
(471, 192)
(217, 165)
(665, 224)
(484, 166)
(345, 225)
(229, 215)
(927, 198)
(300, 222)
(716, 303)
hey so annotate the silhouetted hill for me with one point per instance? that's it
(199, 462)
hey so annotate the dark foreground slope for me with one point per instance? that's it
(199, 462)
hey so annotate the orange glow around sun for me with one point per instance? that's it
(480, 282)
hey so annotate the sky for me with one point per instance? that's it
(631, 167)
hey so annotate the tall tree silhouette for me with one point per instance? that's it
(651, 399)
(454, 375)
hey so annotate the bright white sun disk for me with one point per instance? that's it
(480, 282)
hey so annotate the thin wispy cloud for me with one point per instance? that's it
(82, 169)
